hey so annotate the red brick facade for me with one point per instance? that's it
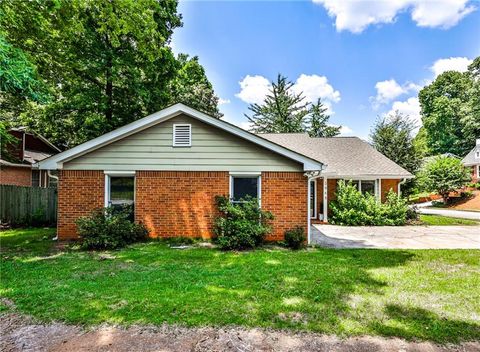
(16, 176)
(79, 192)
(180, 203)
(285, 195)
(388, 185)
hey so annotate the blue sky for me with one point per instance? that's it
(363, 58)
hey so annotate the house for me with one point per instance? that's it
(17, 164)
(472, 160)
(170, 166)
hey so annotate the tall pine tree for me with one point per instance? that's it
(319, 126)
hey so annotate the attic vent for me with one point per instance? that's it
(182, 135)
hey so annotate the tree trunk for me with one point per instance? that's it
(109, 91)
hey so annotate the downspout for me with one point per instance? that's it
(56, 178)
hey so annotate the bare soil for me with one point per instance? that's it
(20, 333)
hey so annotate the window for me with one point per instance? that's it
(182, 135)
(367, 187)
(120, 191)
(313, 199)
(243, 186)
(35, 178)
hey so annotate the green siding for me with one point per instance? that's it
(212, 150)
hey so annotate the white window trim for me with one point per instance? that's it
(377, 182)
(108, 175)
(315, 206)
(258, 175)
(175, 125)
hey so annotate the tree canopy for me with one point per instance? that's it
(285, 111)
(450, 110)
(105, 64)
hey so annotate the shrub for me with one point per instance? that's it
(109, 228)
(295, 238)
(353, 208)
(241, 225)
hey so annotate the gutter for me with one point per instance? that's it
(310, 177)
(399, 184)
(56, 178)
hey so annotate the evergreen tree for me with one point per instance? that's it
(319, 126)
(282, 111)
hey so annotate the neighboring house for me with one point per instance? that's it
(173, 163)
(472, 160)
(27, 148)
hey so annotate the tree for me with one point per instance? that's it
(192, 87)
(444, 175)
(319, 126)
(106, 63)
(393, 137)
(450, 112)
(285, 111)
(282, 111)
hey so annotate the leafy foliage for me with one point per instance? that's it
(105, 63)
(443, 175)
(285, 111)
(450, 111)
(295, 238)
(353, 208)
(393, 137)
(241, 225)
(109, 228)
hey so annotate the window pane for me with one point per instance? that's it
(121, 190)
(368, 187)
(35, 178)
(243, 186)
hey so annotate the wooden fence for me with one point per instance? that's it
(28, 205)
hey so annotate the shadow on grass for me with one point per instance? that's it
(418, 323)
(149, 283)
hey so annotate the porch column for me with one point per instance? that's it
(309, 179)
(325, 199)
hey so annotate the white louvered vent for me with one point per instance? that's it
(182, 135)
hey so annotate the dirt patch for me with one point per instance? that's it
(19, 333)
(472, 203)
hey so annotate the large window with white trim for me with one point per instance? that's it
(244, 186)
(120, 191)
(365, 186)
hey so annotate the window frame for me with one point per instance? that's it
(257, 175)
(174, 144)
(109, 175)
(358, 181)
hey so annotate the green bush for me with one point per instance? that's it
(109, 228)
(241, 225)
(353, 208)
(295, 238)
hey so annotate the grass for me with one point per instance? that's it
(426, 295)
(444, 220)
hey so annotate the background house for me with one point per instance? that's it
(472, 160)
(19, 156)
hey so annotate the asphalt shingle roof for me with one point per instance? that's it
(344, 156)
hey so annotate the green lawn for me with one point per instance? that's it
(444, 220)
(427, 295)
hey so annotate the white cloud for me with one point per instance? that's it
(346, 131)
(223, 101)
(389, 89)
(451, 64)
(410, 107)
(253, 89)
(356, 15)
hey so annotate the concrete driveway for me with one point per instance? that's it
(402, 237)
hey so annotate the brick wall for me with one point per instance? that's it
(79, 192)
(285, 195)
(388, 185)
(16, 176)
(179, 203)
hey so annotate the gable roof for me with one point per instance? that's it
(470, 157)
(56, 161)
(347, 157)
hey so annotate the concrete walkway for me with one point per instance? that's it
(402, 237)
